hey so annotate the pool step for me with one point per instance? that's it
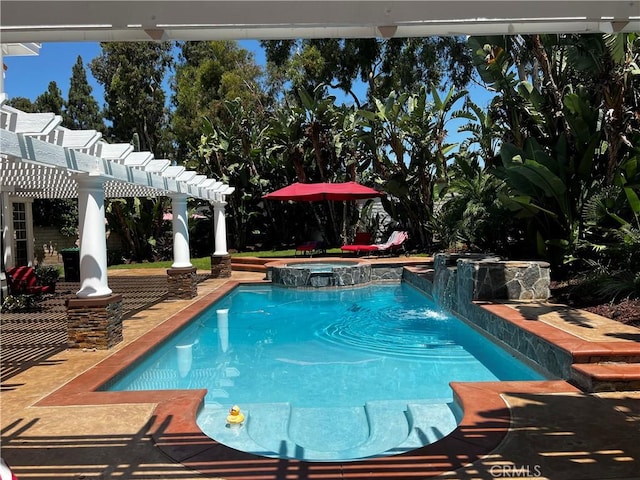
(609, 376)
(429, 423)
(324, 434)
(249, 264)
(212, 420)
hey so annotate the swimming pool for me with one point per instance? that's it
(326, 374)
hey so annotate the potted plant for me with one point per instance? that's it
(47, 275)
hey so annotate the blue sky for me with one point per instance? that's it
(30, 76)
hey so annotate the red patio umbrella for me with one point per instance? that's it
(313, 192)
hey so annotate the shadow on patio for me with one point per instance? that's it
(552, 436)
(29, 339)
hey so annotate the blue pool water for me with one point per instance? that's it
(328, 374)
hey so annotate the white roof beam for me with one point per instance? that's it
(138, 159)
(157, 166)
(114, 151)
(79, 139)
(140, 20)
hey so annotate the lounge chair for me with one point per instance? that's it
(22, 281)
(393, 244)
(311, 248)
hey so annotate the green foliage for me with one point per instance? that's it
(50, 101)
(231, 151)
(564, 104)
(46, 274)
(400, 64)
(22, 103)
(412, 154)
(139, 223)
(19, 303)
(82, 111)
(59, 213)
(207, 75)
(470, 211)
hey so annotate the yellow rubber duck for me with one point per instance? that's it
(235, 417)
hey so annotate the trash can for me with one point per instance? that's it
(71, 261)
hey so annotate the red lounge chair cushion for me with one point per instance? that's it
(22, 281)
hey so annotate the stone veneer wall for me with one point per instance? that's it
(182, 283)
(336, 276)
(457, 281)
(220, 266)
(94, 322)
(386, 272)
(360, 274)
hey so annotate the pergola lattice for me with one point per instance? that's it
(40, 160)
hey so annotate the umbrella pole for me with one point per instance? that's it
(344, 222)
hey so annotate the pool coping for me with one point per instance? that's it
(485, 422)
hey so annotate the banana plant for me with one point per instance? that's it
(412, 131)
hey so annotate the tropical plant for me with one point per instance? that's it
(230, 151)
(469, 211)
(139, 223)
(565, 134)
(410, 134)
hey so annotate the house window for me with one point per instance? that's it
(20, 246)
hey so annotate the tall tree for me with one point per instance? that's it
(22, 103)
(82, 110)
(132, 75)
(207, 75)
(413, 151)
(51, 100)
(401, 64)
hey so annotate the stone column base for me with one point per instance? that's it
(182, 283)
(221, 266)
(94, 322)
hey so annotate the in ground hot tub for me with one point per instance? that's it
(334, 273)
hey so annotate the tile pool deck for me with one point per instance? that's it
(54, 425)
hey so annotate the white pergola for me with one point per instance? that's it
(41, 159)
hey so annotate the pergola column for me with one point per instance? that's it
(220, 260)
(182, 274)
(181, 256)
(95, 316)
(7, 229)
(93, 238)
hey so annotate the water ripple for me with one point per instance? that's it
(392, 331)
